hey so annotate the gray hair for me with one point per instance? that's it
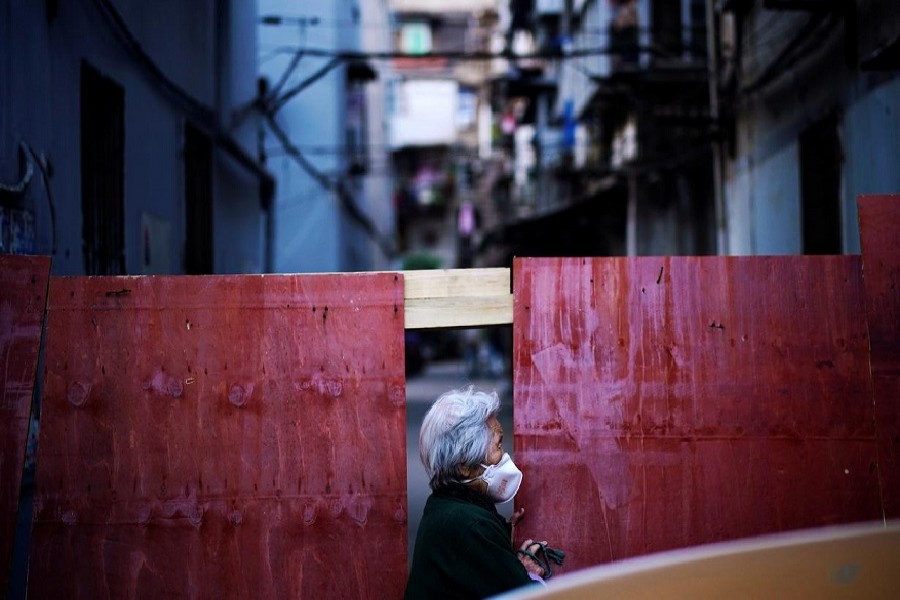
(455, 433)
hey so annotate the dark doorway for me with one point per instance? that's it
(820, 187)
(198, 251)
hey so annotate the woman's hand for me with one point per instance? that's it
(517, 516)
(513, 521)
(530, 546)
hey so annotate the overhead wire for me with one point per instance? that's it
(466, 55)
(280, 101)
(295, 60)
(269, 105)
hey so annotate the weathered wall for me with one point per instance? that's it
(815, 84)
(871, 136)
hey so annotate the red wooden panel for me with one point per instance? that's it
(223, 437)
(23, 297)
(668, 402)
(879, 224)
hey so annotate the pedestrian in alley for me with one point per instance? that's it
(464, 547)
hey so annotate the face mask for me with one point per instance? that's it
(503, 479)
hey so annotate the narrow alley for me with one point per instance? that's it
(421, 390)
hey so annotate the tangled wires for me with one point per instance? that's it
(543, 556)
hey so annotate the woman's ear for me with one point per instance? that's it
(466, 472)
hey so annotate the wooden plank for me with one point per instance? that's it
(662, 403)
(879, 222)
(456, 283)
(457, 298)
(852, 561)
(23, 296)
(222, 437)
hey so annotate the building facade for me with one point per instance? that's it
(440, 125)
(605, 114)
(118, 149)
(813, 93)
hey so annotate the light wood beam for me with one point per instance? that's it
(457, 298)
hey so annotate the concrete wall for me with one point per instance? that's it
(40, 106)
(764, 207)
(871, 149)
(239, 228)
(307, 215)
(378, 183)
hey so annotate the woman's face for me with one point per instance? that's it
(495, 450)
(494, 454)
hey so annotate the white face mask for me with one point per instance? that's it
(503, 479)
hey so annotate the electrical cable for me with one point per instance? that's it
(295, 60)
(463, 55)
(18, 188)
(327, 68)
(45, 177)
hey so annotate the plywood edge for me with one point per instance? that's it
(852, 561)
(457, 298)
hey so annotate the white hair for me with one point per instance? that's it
(455, 433)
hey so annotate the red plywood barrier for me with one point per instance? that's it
(223, 437)
(879, 224)
(668, 402)
(23, 296)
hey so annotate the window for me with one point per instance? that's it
(415, 38)
(198, 252)
(665, 17)
(102, 173)
(355, 129)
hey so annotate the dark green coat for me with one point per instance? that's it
(463, 549)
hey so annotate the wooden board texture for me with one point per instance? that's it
(879, 224)
(223, 437)
(23, 296)
(662, 403)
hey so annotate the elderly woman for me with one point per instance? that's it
(464, 546)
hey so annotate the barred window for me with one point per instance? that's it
(102, 172)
